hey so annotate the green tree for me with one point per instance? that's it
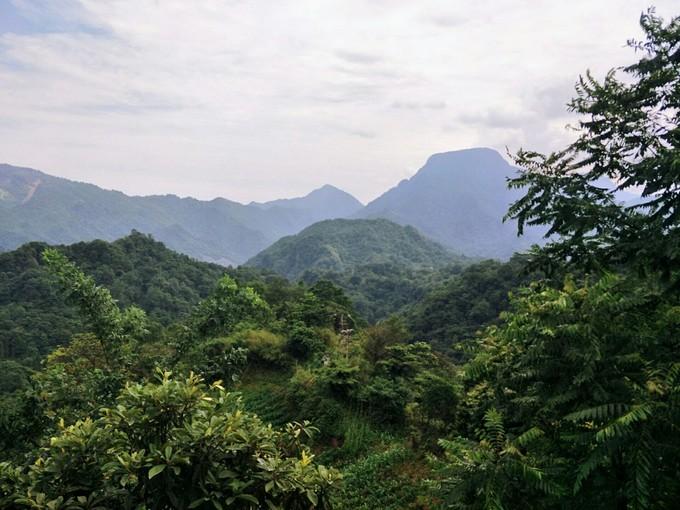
(229, 305)
(628, 134)
(111, 325)
(590, 370)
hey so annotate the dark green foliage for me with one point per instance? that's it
(341, 245)
(628, 132)
(13, 376)
(495, 472)
(34, 318)
(593, 370)
(22, 422)
(439, 399)
(457, 308)
(217, 359)
(376, 339)
(229, 305)
(304, 342)
(380, 290)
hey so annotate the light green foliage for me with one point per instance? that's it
(77, 379)
(111, 326)
(229, 305)
(264, 347)
(175, 444)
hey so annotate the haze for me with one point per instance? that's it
(263, 100)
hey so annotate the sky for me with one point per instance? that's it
(256, 100)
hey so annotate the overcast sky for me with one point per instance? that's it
(254, 100)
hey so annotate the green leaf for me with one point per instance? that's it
(156, 470)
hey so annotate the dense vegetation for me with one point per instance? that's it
(569, 399)
(34, 318)
(342, 245)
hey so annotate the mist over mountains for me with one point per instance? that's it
(457, 199)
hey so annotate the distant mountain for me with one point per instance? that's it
(35, 206)
(458, 199)
(318, 202)
(341, 245)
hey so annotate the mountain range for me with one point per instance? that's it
(457, 199)
(35, 206)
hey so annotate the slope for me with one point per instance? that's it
(458, 199)
(340, 245)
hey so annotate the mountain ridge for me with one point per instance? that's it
(61, 211)
(343, 244)
(458, 198)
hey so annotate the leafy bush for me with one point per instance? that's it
(174, 444)
(216, 359)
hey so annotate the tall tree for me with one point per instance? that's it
(628, 133)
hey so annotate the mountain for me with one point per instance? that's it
(458, 199)
(318, 202)
(340, 245)
(35, 206)
(138, 270)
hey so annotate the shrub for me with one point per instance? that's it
(174, 444)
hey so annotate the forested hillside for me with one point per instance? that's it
(137, 270)
(551, 381)
(342, 245)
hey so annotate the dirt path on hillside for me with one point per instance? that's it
(31, 191)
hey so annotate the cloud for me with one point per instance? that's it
(258, 100)
(446, 20)
(414, 105)
(355, 57)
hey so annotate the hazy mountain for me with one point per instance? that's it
(341, 245)
(35, 206)
(458, 199)
(317, 202)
